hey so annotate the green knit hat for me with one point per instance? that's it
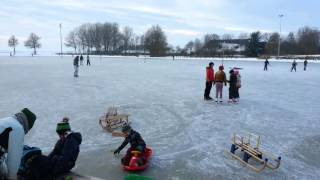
(63, 126)
(30, 116)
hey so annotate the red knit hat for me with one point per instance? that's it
(221, 68)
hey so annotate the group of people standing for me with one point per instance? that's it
(293, 65)
(76, 61)
(219, 79)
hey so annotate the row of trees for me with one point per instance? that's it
(305, 41)
(107, 38)
(32, 42)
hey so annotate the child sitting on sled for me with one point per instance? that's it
(136, 142)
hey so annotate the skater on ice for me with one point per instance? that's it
(294, 66)
(76, 66)
(305, 63)
(219, 80)
(266, 64)
(81, 59)
(136, 143)
(12, 132)
(88, 60)
(232, 86)
(209, 81)
(35, 166)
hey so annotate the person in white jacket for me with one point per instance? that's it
(12, 132)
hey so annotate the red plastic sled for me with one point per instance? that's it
(133, 165)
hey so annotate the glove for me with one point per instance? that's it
(117, 151)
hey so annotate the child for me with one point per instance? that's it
(219, 79)
(135, 140)
(232, 86)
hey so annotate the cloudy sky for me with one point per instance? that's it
(182, 20)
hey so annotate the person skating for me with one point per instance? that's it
(305, 63)
(81, 59)
(12, 132)
(294, 66)
(232, 86)
(219, 79)
(60, 161)
(88, 61)
(266, 64)
(76, 66)
(209, 81)
(136, 143)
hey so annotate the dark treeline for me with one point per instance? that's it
(109, 39)
(306, 41)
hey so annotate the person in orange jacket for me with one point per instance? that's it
(219, 79)
(209, 81)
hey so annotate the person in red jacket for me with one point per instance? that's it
(209, 81)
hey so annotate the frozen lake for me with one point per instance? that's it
(165, 101)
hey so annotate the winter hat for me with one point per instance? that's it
(30, 116)
(63, 126)
(211, 64)
(221, 68)
(126, 128)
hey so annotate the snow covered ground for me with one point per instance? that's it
(164, 98)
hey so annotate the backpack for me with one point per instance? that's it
(238, 81)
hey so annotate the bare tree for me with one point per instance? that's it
(308, 40)
(13, 42)
(210, 37)
(106, 36)
(197, 46)
(116, 37)
(127, 35)
(156, 41)
(72, 41)
(271, 47)
(33, 42)
(189, 46)
(289, 45)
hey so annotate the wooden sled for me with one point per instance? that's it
(112, 120)
(250, 148)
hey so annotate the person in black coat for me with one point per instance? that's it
(76, 66)
(232, 86)
(266, 63)
(61, 160)
(294, 66)
(81, 59)
(136, 143)
(305, 63)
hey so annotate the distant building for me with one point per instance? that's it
(237, 46)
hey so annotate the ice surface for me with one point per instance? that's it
(164, 98)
